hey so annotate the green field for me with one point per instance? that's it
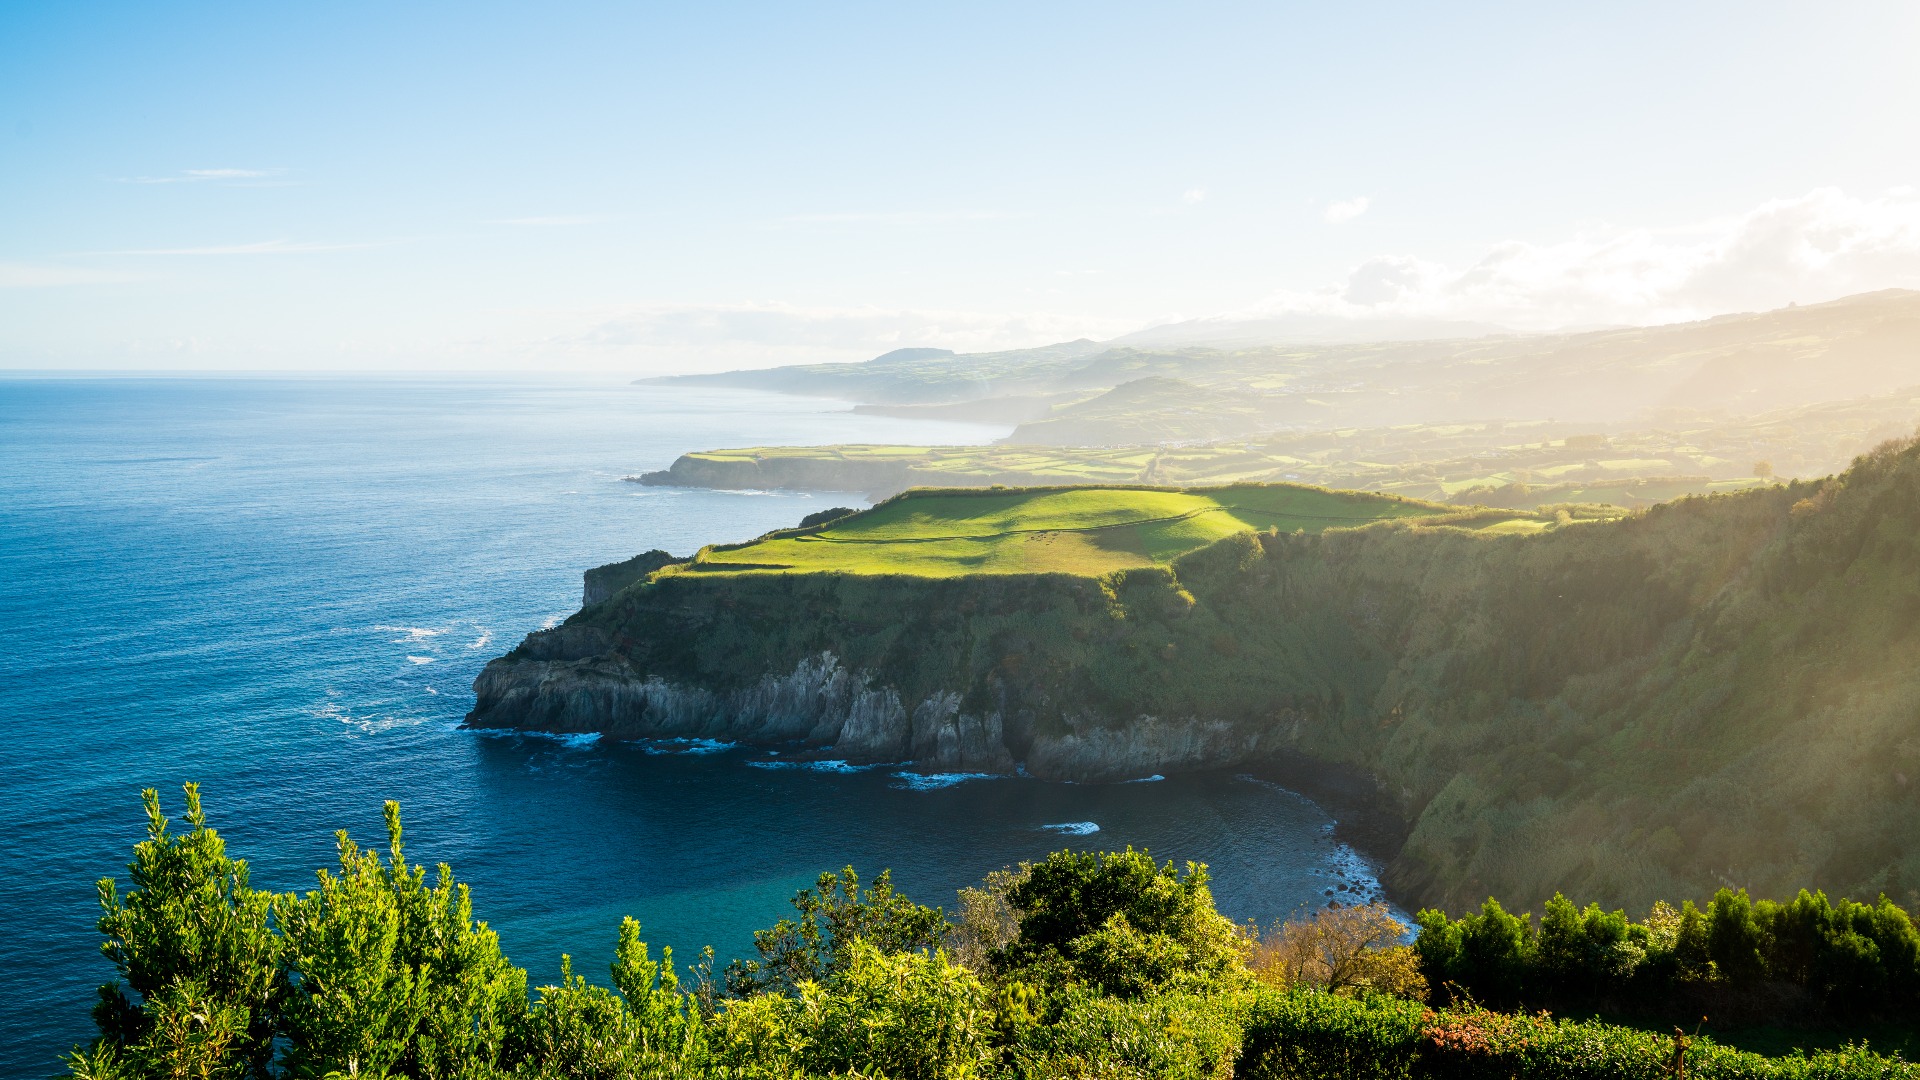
(1085, 531)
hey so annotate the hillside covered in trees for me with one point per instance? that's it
(1715, 691)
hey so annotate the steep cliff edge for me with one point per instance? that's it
(1719, 689)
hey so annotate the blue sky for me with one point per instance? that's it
(640, 187)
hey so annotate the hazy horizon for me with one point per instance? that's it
(647, 191)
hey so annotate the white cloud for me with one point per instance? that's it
(262, 247)
(201, 176)
(712, 336)
(1818, 246)
(1193, 195)
(894, 217)
(1347, 209)
(552, 221)
(31, 276)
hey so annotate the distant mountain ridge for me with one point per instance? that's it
(1742, 364)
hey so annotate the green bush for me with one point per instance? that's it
(1119, 968)
(906, 1016)
(1176, 1036)
(1845, 959)
(1120, 922)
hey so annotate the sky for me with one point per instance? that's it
(650, 188)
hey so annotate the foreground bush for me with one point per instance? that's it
(1769, 960)
(1079, 966)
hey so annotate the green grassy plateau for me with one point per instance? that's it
(1089, 531)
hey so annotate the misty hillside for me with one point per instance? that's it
(1734, 364)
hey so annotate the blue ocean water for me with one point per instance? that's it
(283, 590)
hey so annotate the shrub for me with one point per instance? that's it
(905, 1016)
(388, 975)
(1341, 949)
(1178, 1036)
(1119, 922)
(833, 915)
(194, 944)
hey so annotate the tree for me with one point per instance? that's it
(1343, 950)
(1119, 922)
(193, 942)
(833, 915)
(1763, 469)
(988, 921)
(390, 976)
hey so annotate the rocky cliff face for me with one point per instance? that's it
(570, 679)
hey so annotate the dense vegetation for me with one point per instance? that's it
(1716, 691)
(1084, 531)
(1082, 965)
(1765, 960)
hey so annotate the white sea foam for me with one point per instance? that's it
(687, 746)
(833, 765)
(486, 636)
(419, 659)
(913, 781)
(411, 634)
(1073, 828)
(1146, 779)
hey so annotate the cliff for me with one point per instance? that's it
(1722, 689)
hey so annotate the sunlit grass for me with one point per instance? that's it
(1086, 531)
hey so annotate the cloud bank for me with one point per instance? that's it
(1818, 246)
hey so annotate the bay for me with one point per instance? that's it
(283, 588)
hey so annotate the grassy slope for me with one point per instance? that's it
(1723, 689)
(1085, 531)
(1506, 464)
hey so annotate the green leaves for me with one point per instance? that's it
(1120, 922)
(833, 915)
(193, 944)
(386, 974)
(904, 1015)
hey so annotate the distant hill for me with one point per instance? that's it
(1734, 364)
(1222, 332)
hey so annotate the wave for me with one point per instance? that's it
(419, 659)
(412, 633)
(687, 746)
(913, 781)
(1073, 828)
(832, 765)
(1155, 778)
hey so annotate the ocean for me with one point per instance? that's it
(283, 589)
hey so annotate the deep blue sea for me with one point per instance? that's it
(283, 590)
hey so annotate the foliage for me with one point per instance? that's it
(1345, 950)
(1103, 965)
(387, 975)
(1173, 1036)
(1625, 710)
(987, 921)
(905, 1015)
(586, 1032)
(1118, 922)
(1842, 959)
(833, 915)
(194, 945)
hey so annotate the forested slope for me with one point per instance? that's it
(1718, 690)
